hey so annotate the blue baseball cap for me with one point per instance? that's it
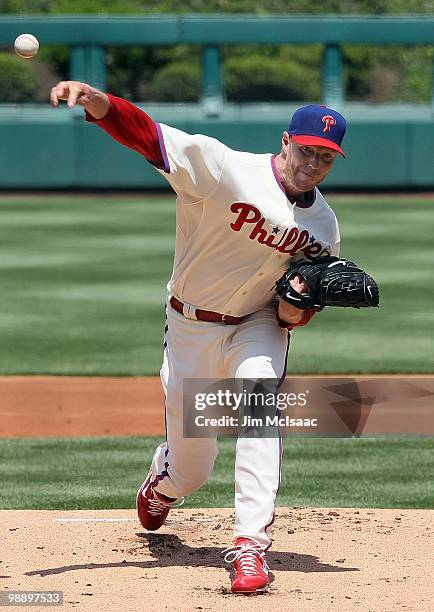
(316, 124)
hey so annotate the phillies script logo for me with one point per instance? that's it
(289, 240)
(329, 122)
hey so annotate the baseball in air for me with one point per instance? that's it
(26, 45)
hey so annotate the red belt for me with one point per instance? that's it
(206, 315)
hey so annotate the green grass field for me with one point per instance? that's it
(91, 473)
(83, 287)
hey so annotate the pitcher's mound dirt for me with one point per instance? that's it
(339, 559)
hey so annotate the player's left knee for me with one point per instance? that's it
(254, 368)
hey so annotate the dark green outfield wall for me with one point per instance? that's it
(45, 148)
(388, 146)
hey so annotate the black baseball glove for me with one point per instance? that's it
(332, 282)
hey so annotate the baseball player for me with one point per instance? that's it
(241, 218)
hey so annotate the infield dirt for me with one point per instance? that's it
(328, 559)
(69, 406)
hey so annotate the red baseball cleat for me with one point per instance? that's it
(250, 567)
(152, 507)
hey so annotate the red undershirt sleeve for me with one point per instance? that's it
(307, 316)
(134, 129)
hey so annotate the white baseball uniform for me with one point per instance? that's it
(236, 231)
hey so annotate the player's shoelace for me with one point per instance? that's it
(156, 506)
(247, 555)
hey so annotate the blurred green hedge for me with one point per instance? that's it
(251, 72)
(272, 74)
(18, 80)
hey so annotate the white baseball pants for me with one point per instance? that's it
(256, 348)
